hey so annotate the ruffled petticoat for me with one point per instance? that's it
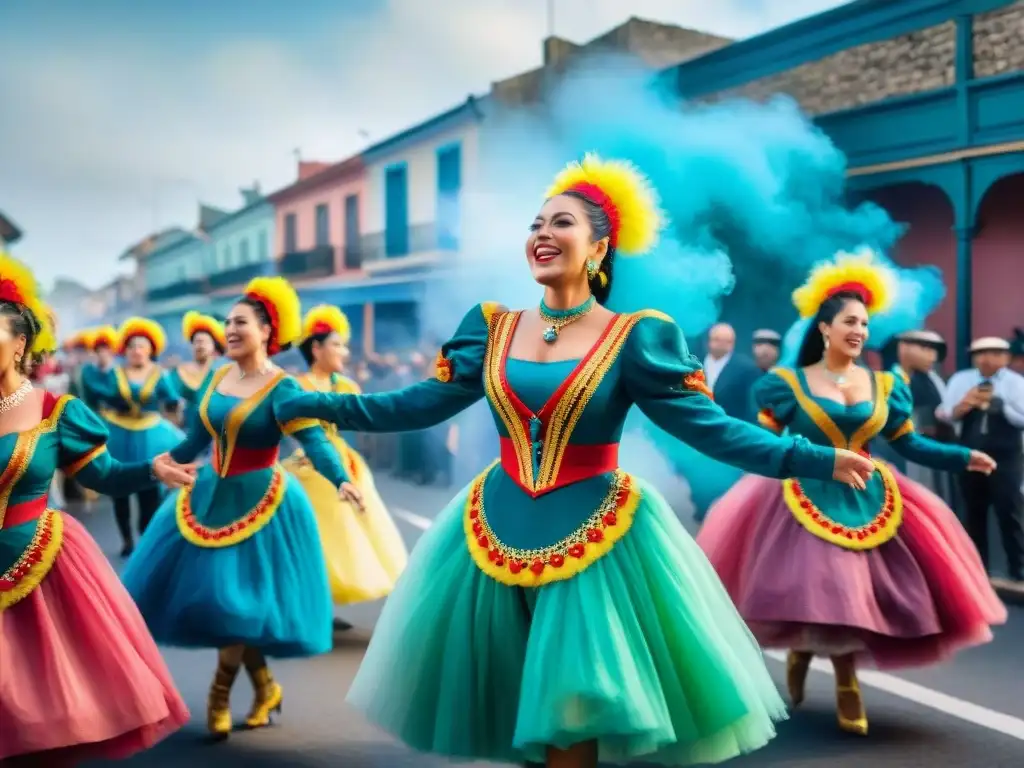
(80, 676)
(914, 600)
(642, 651)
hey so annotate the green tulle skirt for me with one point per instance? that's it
(643, 651)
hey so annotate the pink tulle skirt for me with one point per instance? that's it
(80, 676)
(912, 601)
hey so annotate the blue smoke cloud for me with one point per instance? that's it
(754, 194)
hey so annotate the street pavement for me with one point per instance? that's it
(968, 713)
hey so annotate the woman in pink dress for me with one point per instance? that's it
(80, 676)
(883, 576)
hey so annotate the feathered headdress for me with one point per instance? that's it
(277, 296)
(326, 318)
(861, 272)
(147, 329)
(196, 322)
(105, 336)
(623, 193)
(47, 341)
(18, 286)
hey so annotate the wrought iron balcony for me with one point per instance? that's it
(176, 290)
(239, 275)
(316, 262)
(417, 238)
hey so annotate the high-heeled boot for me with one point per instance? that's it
(269, 696)
(218, 703)
(798, 664)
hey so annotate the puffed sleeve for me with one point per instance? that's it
(776, 404)
(308, 433)
(197, 438)
(99, 388)
(914, 447)
(456, 385)
(83, 454)
(167, 393)
(667, 383)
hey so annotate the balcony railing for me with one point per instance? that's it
(239, 275)
(175, 290)
(316, 262)
(418, 238)
(353, 256)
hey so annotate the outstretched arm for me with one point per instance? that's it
(667, 383)
(310, 435)
(457, 384)
(899, 430)
(83, 453)
(197, 438)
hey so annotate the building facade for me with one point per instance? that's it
(9, 232)
(926, 100)
(239, 247)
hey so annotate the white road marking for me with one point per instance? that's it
(417, 521)
(926, 697)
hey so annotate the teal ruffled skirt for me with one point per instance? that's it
(131, 445)
(643, 651)
(269, 591)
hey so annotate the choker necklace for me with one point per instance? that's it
(842, 380)
(16, 398)
(557, 319)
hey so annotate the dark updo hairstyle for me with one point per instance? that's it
(22, 323)
(263, 318)
(812, 350)
(601, 226)
(306, 347)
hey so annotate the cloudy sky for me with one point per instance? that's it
(117, 116)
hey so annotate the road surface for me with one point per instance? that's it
(966, 714)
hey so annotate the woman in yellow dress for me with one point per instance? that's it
(363, 549)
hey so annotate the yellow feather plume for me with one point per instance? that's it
(284, 303)
(863, 268)
(326, 316)
(193, 322)
(637, 203)
(148, 329)
(18, 286)
(105, 335)
(46, 340)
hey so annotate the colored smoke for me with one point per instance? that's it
(754, 194)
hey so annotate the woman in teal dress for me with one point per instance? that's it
(886, 576)
(132, 399)
(98, 374)
(235, 562)
(80, 677)
(205, 334)
(557, 611)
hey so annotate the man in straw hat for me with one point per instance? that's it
(917, 353)
(767, 345)
(986, 403)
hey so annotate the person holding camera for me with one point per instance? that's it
(986, 404)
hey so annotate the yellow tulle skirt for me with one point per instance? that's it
(364, 551)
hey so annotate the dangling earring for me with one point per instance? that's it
(592, 268)
(826, 340)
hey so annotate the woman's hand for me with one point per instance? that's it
(348, 492)
(171, 473)
(852, 468)
(981, 462)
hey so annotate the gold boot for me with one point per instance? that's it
(856, 725)
(798, 663)
(218, 703)
(269, 697)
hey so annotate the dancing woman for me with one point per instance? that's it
(557, 610)
(135, 396)
(234, 562)
(205, 334)
(362, 547)
(80, 677)
(885, 576)
(98, 383)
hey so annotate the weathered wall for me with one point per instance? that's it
(999, 41)
(912, 63)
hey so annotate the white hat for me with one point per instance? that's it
(990, 344)
(928, 338)
(767, 336)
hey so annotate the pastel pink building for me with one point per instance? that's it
(318, 221)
